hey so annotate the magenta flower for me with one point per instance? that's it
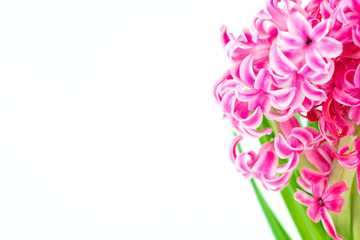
(322, 201)
(350, 160)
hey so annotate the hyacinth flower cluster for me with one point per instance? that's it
(294, 83)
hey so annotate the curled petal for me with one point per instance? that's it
(233, 145)
(315, 60)
(228, 102)
(283, 97)
(282, 148)
(329, 224)
(245, 161)
(304, 136)
(345, 98)
(246, 71)
(279, 183)
(267, 164)
(290, 165)
(288, 125)
(263, 81)
(351, 160)
(255, 119)
(283, 116)
(247, 95)
(224, 36)
(256, 133)
(357, 77)
(279, 62)
(323, 78)
(312, 92)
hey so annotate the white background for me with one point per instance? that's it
(108, 129)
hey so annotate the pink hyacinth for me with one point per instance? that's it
(263, 166)
(322, 201)
(297, 63)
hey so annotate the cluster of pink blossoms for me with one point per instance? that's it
(305, 62)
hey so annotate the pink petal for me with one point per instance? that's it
(318, 187)
(228, 102)
(282, 148)
(321, 79)
(350, 161)
(303, 198)
(345, 98)
(320, 30)
(263, 81)
(315, 61)
(279, 62)
(357, 77)
(312, 92)
(254, 120)
(267, 164)
(309, 175)
(329, 47)
(245, 161)
(283, 116)
(304, 185)
(298, 25)
(334, 191)
(288, 125)
(304, 136)
(233, 146)
(247, 95)
(278, 183)
(317, 159)
(224, 36)
(283, 97)
(314, 213)
(290, 165)
(246, 71)
(329, 224)
(357, 144)
(288, 41)
(335, 205)
(256, 133)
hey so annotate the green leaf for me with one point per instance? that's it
(314, 125)
(277, 229)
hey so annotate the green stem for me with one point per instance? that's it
(343, 220)
(355, 212)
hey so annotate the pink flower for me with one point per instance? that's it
(262, 166)
(350, 160)
(297, 142)
(312, 43)
(322, 201)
